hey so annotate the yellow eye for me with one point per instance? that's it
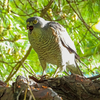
(35, 22)
(28, 23)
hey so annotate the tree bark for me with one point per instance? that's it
(73, 87)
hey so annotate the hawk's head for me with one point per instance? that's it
(35, 22)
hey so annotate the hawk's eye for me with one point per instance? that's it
(28, 23)
(35, 22)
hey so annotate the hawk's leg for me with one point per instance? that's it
(43, 64)
(58, 71)
(60, 68)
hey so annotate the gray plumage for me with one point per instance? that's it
(52, 43)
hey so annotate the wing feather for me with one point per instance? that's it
(60, 32)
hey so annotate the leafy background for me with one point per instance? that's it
(81, 18)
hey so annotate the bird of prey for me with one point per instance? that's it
(52, 43)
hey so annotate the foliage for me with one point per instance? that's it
(77, 16)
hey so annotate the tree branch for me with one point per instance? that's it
(46, 8)
(73, 87)
(17, 66)
(81, 18)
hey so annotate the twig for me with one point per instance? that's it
(32, 6)
(30, 68)
(22, 15)
(81, 18)
(7, 62)
(94, 77)
(82, 38)
(20, 8)
(25, 94)
(13, 69)
(27, 69)
(7, 40)
(21, 2)
(31, 91)
(48, 17)
(85, 65)
(72, 1)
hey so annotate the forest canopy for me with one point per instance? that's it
(81, 18)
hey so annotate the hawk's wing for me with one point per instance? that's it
(65, 39)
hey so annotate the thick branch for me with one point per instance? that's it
(71, 87)
(46, 8)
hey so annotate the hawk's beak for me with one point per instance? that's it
(30, 27)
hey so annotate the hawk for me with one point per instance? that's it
(53, 45)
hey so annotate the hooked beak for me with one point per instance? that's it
(30, 28)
